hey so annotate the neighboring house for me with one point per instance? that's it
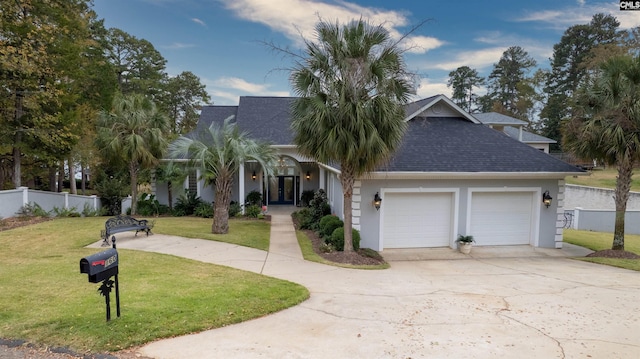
(452, 175)
(514, 128)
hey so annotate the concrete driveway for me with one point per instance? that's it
(515, 304)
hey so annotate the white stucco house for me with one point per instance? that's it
(452, 175)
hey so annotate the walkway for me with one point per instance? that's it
(516, 306)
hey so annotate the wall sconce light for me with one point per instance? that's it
(308, 176)
(377, 201)
(546, 199)
(253, 175)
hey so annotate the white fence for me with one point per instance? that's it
(594, 197)
(601, 220)
(11, 201)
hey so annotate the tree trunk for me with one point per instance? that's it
(17, 170)
(72, 177)
(133, 171)
(623, 186)
(347, 179)
(221, 204)
(52, 178)
(170, 194)
(83, 181)
(60, 176)
(2, 176)
(17, 164)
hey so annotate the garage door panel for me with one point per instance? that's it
(417, 220)
(502, 218)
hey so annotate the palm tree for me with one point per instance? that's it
(133, 133)
(607, 126)
(219, 152)
(352, 87)
(171, 173)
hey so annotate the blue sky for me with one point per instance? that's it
(222, 41)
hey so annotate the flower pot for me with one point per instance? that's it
(465, 247)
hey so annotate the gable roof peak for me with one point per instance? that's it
(414, 109)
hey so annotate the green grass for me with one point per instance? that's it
(597, 241)
(47, 301)
(602, 178)
(310, 255)
(248, 233)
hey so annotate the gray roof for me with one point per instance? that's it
(494, 118)
(527, 137)
(412, 107)
(442, 144)
(445, 144)
(264, 118)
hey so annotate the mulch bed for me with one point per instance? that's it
(14, 222)
(610, 253)
(361, 257)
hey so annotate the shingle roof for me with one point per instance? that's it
(527, 137)
(209, 114)
(412, 107)
(457, 145)
(494, 118)
(266, 118)
(434, 144)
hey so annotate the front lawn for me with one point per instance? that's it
(604, 178)
(597, 241)
(244, 232)
(45, 300)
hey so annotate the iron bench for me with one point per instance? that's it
(123, 223)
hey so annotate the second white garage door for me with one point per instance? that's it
(414, 220)
(502, 218)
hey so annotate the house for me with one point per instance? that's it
(451, 175)
(514, 128)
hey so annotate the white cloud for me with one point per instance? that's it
(199, 22)
(227, 90)
(476, 59)
(296, 19)
(428, 88)
(177, 46)
(240, 84)
(582, 14)
(422, 44)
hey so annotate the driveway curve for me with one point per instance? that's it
(528, 305)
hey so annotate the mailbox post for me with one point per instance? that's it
(100, 267)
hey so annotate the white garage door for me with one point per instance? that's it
(501, 218)
(412, 220)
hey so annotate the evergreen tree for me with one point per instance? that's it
(463, 80)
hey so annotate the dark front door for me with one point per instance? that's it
(282, 190)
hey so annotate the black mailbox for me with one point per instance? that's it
(100, 266)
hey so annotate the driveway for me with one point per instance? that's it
(523, 304)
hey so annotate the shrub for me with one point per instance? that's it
(328, 224)
(87, 211)
(252, 211)
(234, 209)
(187, 203)
(204, 209)
(337, 239)
(254, 198)
(319, 208)
(148, 205)
(304, 218)
(65, 212)
(32, 209)
(306, 197)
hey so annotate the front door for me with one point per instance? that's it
(282, 190)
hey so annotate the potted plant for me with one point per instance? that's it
(465, 243)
